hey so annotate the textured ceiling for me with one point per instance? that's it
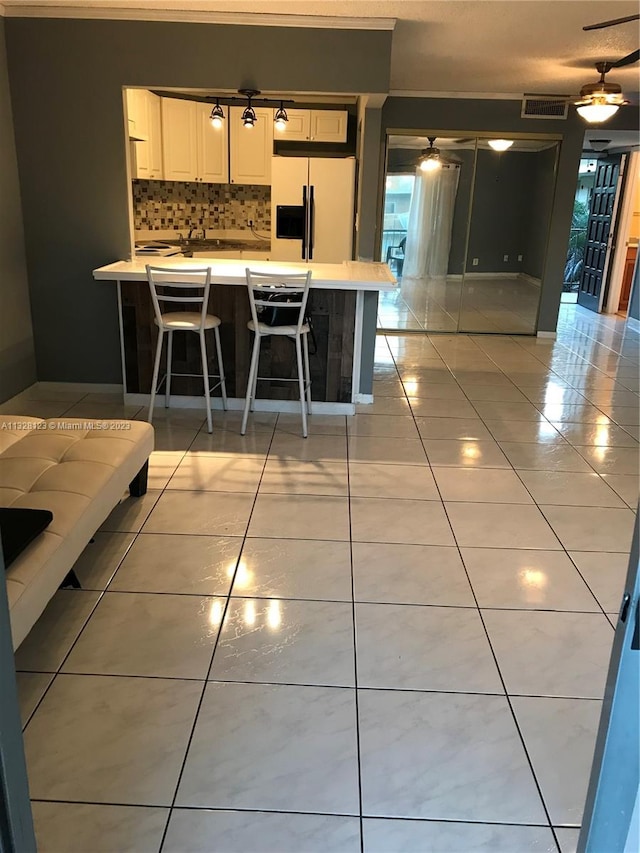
(460, 46)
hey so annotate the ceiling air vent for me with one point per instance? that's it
(545, 106)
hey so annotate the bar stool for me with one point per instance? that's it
(278, 305)
(184, 288)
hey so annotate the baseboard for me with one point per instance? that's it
(530, 279)
(365, 399)
(88, 387)
(236, 404)
(634, 324)
(489, 275)
(551, 335)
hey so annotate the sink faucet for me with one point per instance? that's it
(193, 230)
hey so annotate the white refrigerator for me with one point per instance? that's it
(312, 208)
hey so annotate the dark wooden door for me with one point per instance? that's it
(596, 249)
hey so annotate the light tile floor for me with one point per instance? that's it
(392, 636)
(499, 305)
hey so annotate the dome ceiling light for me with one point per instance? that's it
(500, 144)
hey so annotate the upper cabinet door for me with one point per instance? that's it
(180, 145)
(298, 127)
(137, 113)
(213, 147)
(251, 149)
(328, 126)
(156, 170)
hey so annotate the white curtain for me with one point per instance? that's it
(426, 253)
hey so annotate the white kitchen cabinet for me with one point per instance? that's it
(137, 114)
(314, 126)
(251, 148)
(156, 169)
(148, 153)
(298, 127)
(179, 138)
(193, 149)
(328, 126)
(213, 147)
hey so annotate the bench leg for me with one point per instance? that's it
(138, 486)
(71, 579)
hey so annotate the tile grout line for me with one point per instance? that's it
(342, 687)
(213, 652)
(355, 648)
(495, 659)
(314, 814)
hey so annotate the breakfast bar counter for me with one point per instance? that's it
(336, 307)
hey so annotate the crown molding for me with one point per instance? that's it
(466, 96)
(28, 9)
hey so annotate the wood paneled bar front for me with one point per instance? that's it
(336, 304)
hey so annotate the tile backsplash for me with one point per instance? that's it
(162, 205)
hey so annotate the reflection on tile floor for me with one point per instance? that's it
(323, 645)
(501, 305)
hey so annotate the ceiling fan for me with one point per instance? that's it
(600, 100)
(431, 158)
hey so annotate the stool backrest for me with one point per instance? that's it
(179, 288)
(273, 291)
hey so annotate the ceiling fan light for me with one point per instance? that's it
(500, 144)
(597, 112)
(430, 164)
(217, 115)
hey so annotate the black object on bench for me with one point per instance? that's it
(19, 526)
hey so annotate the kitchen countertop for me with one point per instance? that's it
(349, 275)
(200, 245)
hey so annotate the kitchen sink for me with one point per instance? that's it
(199, 245)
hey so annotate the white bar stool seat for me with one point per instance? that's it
(189, 287)
(264, 289)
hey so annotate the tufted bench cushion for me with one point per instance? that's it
(78, 469)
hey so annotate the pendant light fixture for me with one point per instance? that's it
(217, 115)
(281, 118)
(249, 117)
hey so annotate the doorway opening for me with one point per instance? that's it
(605, 228)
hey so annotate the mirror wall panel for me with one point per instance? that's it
(508, 231)
(424, 235)
(467, 238)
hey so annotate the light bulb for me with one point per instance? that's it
(597, 112)
(217, 116)
(430, 164)
(281, 118)
(500, 144)
(249, 117)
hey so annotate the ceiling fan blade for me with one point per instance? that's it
(613, 23)
(632, 57)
